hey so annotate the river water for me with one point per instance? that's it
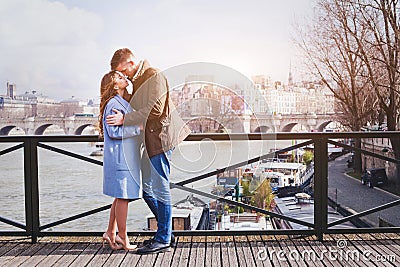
(68, 186)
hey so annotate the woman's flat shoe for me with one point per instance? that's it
(113, 246)
(125, 246)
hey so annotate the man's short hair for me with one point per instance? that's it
(120, 55)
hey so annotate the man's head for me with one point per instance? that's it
(123, 61)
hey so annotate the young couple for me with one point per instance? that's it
(127, 121)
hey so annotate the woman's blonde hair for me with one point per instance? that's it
(107, 92)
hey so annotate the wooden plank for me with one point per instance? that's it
(199, 246)
(22, 253)
(177, 251)
(306, 254)
(258, 249)
(320, 250)
(287, 251)
(347, 244)
(294, 254)
(228, 251)
(87, 254)
(186, 242)
(393, 236)
(100, 256)
(208, 251)
(7, 246)
(375, 251)
(390, 245)
(216, 252)
(56, 254)
(194, 249)
(148, 260)
(238, 240)
(117, 257)
(165, 259)
(131, 259)
(72, 254)
(41, 254)
(272, 247)
(248, 255)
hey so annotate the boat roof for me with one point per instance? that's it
(282, 165)
(304, 211)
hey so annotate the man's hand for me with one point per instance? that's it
(115, 119)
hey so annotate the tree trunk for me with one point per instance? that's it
(357, 157)
(395, 141)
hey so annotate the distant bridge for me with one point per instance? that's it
(75, 125)
(261, 122)
(37, 126)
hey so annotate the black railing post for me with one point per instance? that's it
(31, 188)
(320, 186)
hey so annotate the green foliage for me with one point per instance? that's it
(308, 157)
(246, 190)
(263, 196)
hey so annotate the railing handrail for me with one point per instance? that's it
(216, 136)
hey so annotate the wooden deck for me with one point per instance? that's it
(337, 250)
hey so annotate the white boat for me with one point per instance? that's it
(281, 173)
(99, 150)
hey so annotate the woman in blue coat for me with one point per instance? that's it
(121, 164)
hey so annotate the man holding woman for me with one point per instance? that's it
(163, 130)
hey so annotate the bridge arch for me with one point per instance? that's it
(322, 126)
(206, 125)
(290, 126)
(335, 124)
(7, 129)
(42, 128)
(81, 128)
(263, 129)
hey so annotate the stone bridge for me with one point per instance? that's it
(286, 122)
(261, 123)
(75, 125)
(36, 125)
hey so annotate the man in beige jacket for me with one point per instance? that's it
(163, 130)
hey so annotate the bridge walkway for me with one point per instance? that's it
(262, 250)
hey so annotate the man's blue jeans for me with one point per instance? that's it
(156, 193)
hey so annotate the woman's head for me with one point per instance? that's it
(112, 83)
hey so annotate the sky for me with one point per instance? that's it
(63, 48)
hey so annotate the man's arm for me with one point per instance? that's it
(156, 87)
(153, 92)
(115, 119)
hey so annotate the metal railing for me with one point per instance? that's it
(34, 229)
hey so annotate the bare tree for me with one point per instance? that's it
(332, 54)
(380, 53)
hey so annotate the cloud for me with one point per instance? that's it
(50, 48)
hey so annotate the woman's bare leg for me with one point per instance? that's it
(112, 222)
(121, 210)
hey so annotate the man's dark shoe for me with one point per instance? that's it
(151, 240)
(172, 244)
(153, 247)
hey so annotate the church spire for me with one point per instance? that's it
(290, 80)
